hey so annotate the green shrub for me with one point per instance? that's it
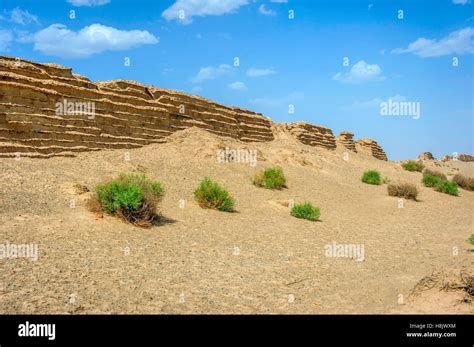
(412, 165)
(430, 180)
(440, 185)
(132, 197)
(447, 187)
(119, 195)
(403, 190)
(209, 194)
(434, 173)
(464, 182)
(270, 178)
(371, 177)
(306, 211)
(471, 239)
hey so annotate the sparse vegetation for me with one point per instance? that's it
(439, 184)
(385, 180)
(133, 197)
(430, 180)
(270, 178)
(371, 177)
(435, 180)
(209, 194)
(471, 239)
(447, 187)
(434, 173)
(413, 165)
(306, 211)
(464, 182)
(403, 190)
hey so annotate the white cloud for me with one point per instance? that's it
(59, 41)
(457, 42)
(360, 72)
(89, 3)
(278, 102)
(6, 38)
(211, 72)
(185, 10)
(262, 9)
(260, 72)
(18, 16)
(461, 2)
(238, 86)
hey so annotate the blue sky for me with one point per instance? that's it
(403, 56)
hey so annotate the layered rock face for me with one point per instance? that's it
(313, 135)
(46, 110)
(345, 138)
(372, 147)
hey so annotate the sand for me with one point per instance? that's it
(257, 260)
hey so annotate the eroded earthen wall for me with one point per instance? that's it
(126, 114)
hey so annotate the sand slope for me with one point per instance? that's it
(258, 260)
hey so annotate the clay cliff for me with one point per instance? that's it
(47, 110)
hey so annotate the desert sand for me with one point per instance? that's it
(256, 260)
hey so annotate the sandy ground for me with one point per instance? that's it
(257, 260)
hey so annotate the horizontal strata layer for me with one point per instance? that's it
(373, 148)
(136, 94)
(312, 135)
(345, 138)
(182, 108)
(126, 114)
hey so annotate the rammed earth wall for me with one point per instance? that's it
(47, 110)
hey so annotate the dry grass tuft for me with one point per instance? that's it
(403, 190)
(464, 182)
